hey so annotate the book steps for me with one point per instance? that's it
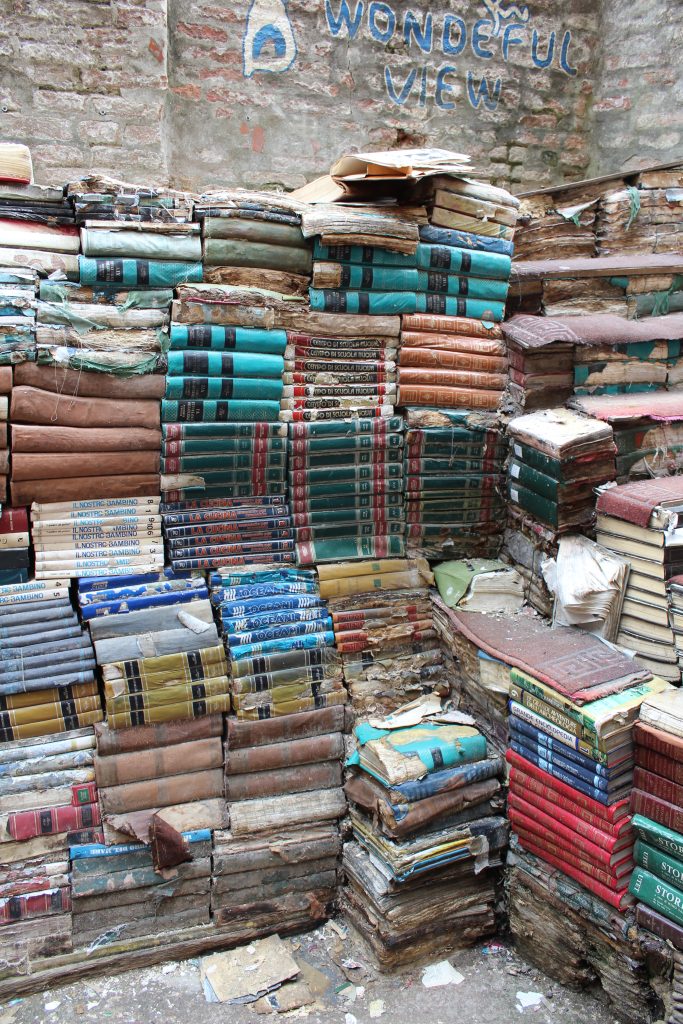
(119, 893)
(451, 362)
(102, 537)
(48, 800)
(18, 302)
(283, 786)
(638, 521)
(454, 482)
(423, 800)
(48, 682)
(157, 648)
(279, 641)
(656, 800)
(15, 546)
(383, 630)
(346, 488)
(212, 532)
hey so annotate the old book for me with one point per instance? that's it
(155, 762)
(292, 727)
(34, 405)
(283, 781)
(183, 788)
(272, 813)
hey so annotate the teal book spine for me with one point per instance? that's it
(223, 387)
(389, 279)
(334, 528)
(133, 273)
(541, 507)
(450, 482)
(239, 339)
(224, 364)
(659, 863)
(306, 477)
(545, 464)
(346, 487)
(656, 893)
(227, 445)
(202, 430)
(534, 480)
(200, 463)
(447, 305)
(654, 834)
(211, 411)
(347, 500)
(443, 466)
(347, 427)
(338, 459)
(356, 443)
(341, 549)
(330, 300)
(361, 516)
(427, 257)
(264, 474)
(224, 490)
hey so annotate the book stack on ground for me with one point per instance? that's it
(37, 228)
(648, 431)
(118, 894)
(628, 368)
(279, 640)
(451, 362)
(644, 219)
(48, 800)
(169, 773)
(178, 676)
(657, 803)
(561, 222)
(453, 462)
(18, 298)
(98, 197)
(346, 488)
(48, 682)
(107, 537)
(81, 435)
(571, 759)
(638, 521)
(279, 861)
(423, 869)
(211, 532)
(540, 370)
(15, 546)
(383, 628)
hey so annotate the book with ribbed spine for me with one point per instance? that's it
(238, 339)
(220, 364)
(404, 279)
(611, 818)
(658, 894)
(52, 725)
(162, 713)
(198, 411)
(529, 801)
(430, 255)
(378, 303)
(231, 446)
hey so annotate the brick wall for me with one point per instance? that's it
(203, 92)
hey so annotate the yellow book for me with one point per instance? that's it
(170, 712)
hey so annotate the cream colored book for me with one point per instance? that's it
(664, 711)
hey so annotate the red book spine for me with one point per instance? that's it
(665, 789)
(34, 904)
(619, 899)
(358, 619)
(531, 803)
(29, 824)
(660, 764)
(659, 742)
(662, 811)
(14, 520)
(533, 790)
(85, 793)
(610, 814)
(559, 850)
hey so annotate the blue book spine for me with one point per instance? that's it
(235, 609)
(90, 850)
(465, 240)
(239, 339)
(118, 593)
(224, 364)
(240, 388)
(248, 623)
(282, 632)
(251, 590)
(552, 757)
(559, 773)
(307, 642)
(532, 736)
(217, 411)
(132, 273)
(133, 604)
(86, 583)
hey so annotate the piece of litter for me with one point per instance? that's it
(528, 999)
(350, 1019)
(376, 1008)
(492, 949)
(49, 1007)
(233, 977)
(341, 931)
(351, 965)
(169, 968)
(443, 973)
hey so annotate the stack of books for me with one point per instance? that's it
(571, 778)
(15, 546)
(16, 164)
(279, 640)
(657, 802)
(157, 647)
(210, 532)
(383, 629)
(169, 773)
(83, 435)
(648, 222)
(48, 801)
(98, 197)
(283, 787)
(18, 294)
(557, 460)
(109, 537)
(648, 431)
(628, 368)
(118, 894)
(540, 376)
(451, 362)
(559, 221)
(638, 521)
(424, 801)
(453, 463)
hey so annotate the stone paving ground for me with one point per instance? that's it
(493, 976)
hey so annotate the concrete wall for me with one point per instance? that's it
(201, 93)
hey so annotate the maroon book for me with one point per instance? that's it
(634, 502)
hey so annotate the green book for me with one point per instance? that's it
(367, 516)
(658, 894)
(537, 459)
(539, 506)
(347, 427)
(352, 458)
(199, 463)
(341, 549)
(226, 445)
(658, 863)
(237, 339)
(256, 429)
(332, 488)
(193, 363)
(533, 480)
(199, 411)
(308, 477)
(236, 252)
(654, 834)
(255, 231)
(240, 388)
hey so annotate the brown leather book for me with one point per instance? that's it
(174, 789)
(84, 488)
(448, 397)
(54, 466)
(138, 765)
(445, 360)
(450, 325)
(298, 779)
(453, 342)
(451, 378)
(32, 405)
(87, 385)
(30, 438)
(272, 756)
(142, 737)
(279, 730)
(6, 379)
